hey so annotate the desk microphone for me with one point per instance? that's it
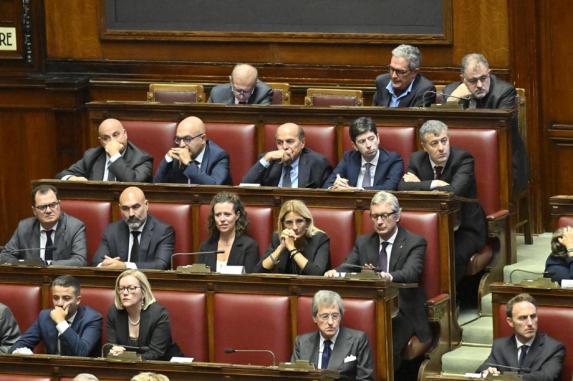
(195, 253)
(518, 369)
(464, 99)
(110, 345)
(30, 261)
(233, 350)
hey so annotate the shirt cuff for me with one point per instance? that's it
(433, 184)
(62, 326)
(264, 163)
(66, 177)
(168, 158)
(113, 158)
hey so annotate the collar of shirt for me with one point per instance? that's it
(374, 161)
(389, 240)
(520, 344)
(395, 101)
(199, 158)
(293, 172)
(43, 231)
(333, 340)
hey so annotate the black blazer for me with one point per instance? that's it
(417, 98)
(559, 267)
(154, 341)
(135, 165)
(244, 252)
(313, 170)
(262, 94)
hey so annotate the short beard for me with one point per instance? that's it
(134, 223)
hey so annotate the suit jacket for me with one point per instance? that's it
(389, 170)
(244, 252)
(313, 171)
(559, 268)
(214, 169)
(406, 266)
(502, 95)
(135, 165)
(70, 242)
(350, 342)
(154, 339)
(544, 358)
(316, 251)
(459, 173)
(262, 94)
(82, 338)
(416, 98)
(156, 244)
(9, 330)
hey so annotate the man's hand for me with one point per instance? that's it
(490, 370)
(112, 263)
(331, 273)
(567, 238)
(461, 91)
(385, 276)
(341, 184)
(77, 178)
(116, 350)
(439, 183)
(409, 177)
(275, 155)
(181, 154)
(58, 314)
(113, 147)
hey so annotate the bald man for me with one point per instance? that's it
(194, 159)
(243, 88)
(138, 240)
(116, 159)
(291, 165)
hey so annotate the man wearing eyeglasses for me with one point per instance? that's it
(443, 168)
(403, 85)
(116, 159)
(398, 256)
(333, 346)
(244, 87)
(194, 159)
(138, 240)
(51, 236)
(479, 88)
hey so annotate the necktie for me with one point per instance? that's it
(383, 257)
(522, 354)
(110, 176)
(367, 180)
(326, 354)
(286, 177)
(438, 169)
(49, 249)
(134, 247)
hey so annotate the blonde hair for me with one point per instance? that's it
(148, 297)
(298, 207)
(149, 376)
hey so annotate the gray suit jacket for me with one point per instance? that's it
(350, 342)
(156, 244)
(262, 94)
(9, 330)
(70, 242)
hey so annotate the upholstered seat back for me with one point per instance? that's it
(338, 224)
(154, 137)
(179, 217)
(565, 221)
(24, 301)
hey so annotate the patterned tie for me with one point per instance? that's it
(135, 247)
(383, 257)
(49, 249)
(286, 177)
(438, 169)
(367, 180)
(326, 354)
(522, 354)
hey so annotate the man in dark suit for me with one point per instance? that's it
(139, 240)
(194, 159)
(68, 329)
(244, 88)
(367, 166)
(291, 165)
(9, 330)
(533, 354)
(116, 160)
(398, 256)
(449, 169)
(481, 89)
(404, 86)
(51, 236)
(332, 346)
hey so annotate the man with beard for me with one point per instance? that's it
(139, 240)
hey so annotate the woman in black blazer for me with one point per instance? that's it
(227, 224)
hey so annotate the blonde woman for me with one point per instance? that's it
(137, 320)
(297, 247)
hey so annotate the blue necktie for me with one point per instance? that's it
(326, 354)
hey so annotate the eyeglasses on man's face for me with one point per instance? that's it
(399, 72)
(335, 316)
(187, 139)
(384, 216)
(44, 207)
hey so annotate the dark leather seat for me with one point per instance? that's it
(179, 217)
(154, 137)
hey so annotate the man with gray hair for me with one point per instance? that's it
(244, 87)
(332, 346)
(443, 168)
(403, 85)
(398, 256)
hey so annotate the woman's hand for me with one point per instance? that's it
(116, 350)
(288, 236)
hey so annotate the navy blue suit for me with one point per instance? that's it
(81, 339)
(389, 170)
(214, 169)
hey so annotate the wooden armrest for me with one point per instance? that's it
(500, 214)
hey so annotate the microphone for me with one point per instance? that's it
(233, 350)
(29, 249)
(38, 261)
(518, 369)
(445, 96)
(195, 253)
(375, 269)
(544, 274)
(127, 355)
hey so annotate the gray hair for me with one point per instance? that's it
(384, 197)
(434, 127)
(410, 53)
(326, 298)
(473, 59)
(85, 377)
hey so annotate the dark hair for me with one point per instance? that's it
(361, 126)
(233, 198)
(43, 189)
(557, 248)
(67, 281)
(523, 297)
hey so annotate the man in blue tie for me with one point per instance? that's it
(334, 347)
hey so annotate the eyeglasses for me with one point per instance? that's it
(335, 316)
(129, 289)
(186, 139)
(398, 72)
(384, 216)
(297, 222)
(43, 208)
(241, 92)
(474, 81)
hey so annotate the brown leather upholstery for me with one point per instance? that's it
(319, 138)
(479, 260)
(176, 92)
(96, 215)
(239, 140)
(24, 302)
(154, 137)
(338, 224)
(333, 97)
(251, 322)
(565, 221)
(178, 216)
(281, 93)
(100, 299)
(398, 139)
(188, 318)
